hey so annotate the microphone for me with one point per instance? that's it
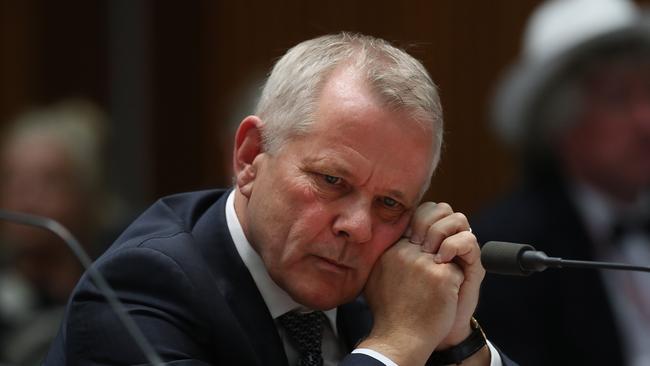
(522, 260)
(64, 234)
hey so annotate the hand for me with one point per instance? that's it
(446, 234)
(414, 301)
(424, 290)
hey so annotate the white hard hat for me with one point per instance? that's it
(559, 35)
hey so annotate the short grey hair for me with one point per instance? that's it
(289, 97)
(81, 129)
(77, 125)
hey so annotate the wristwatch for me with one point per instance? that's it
(463, 350)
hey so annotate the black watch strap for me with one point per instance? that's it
(456, 354)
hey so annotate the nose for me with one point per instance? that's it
(354, 221)
(641, 111)
(642, 119)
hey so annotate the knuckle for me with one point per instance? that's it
(444, 207)
(478, 266)
(448, 272)
(469, 237)
(428, 205)
(423, 261)
(400, 253)
(435, 233)
(460, 217)
(425, 208)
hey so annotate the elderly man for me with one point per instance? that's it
(329, 174)
(50, 164)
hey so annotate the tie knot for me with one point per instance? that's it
(305, 331)
(624, 227)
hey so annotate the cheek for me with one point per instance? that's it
(595, 142)
(302, 222)
(310, 214)
(612, 147)
(385, 237)
(310, 226)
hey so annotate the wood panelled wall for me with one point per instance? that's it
(464, 44)
(202, 59)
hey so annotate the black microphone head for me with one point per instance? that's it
(504, 258)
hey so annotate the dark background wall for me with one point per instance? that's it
(174, 76)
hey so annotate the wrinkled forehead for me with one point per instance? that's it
(349, 119)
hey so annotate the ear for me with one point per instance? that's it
(248, 145)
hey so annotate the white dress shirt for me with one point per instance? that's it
(279, 302)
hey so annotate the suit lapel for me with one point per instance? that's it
(583, 287)
(236, 285)
(568, 238)
(353, 322)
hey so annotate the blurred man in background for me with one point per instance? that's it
(50, 165)
(577, 105)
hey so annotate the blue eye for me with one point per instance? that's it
(332, 179)
(389, 202)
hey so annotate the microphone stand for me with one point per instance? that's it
(532, 260)
(522, 260)
(59, 230)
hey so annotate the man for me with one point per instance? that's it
(578, 103)
(328, 176)
(50, 164)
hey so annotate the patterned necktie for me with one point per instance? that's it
(305, 331)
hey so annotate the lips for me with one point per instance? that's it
(332, 265)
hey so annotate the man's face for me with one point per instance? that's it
(324, 208)
(611, 141)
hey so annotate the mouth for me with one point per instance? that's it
(332, 265)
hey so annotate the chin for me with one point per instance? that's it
(321, 297)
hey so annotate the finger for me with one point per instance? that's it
(442, 229)
(450, 272)
(425, 215)
(461, 246)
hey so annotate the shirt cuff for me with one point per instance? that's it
(495, 357)
(376, 355)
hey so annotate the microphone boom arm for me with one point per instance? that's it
(117, 306)
(522, 259)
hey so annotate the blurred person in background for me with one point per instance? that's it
(51, 165)
(577, 105)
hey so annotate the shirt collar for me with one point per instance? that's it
(600, 212)
(594, 209)
(276, 299)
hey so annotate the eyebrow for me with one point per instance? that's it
(333, 167)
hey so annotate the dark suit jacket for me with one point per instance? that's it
(179, 275)
(558, 317)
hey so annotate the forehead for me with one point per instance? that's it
(631, 69)
(385, 148)
(35, 149)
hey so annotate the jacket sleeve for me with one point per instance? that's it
(156, 293)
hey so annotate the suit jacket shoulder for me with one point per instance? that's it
(549, 317)
(179, 276)
(177, 273)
